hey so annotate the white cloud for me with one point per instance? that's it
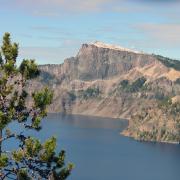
(58, 7)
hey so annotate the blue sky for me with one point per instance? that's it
(52, 30)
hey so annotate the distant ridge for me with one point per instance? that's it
(115, 47)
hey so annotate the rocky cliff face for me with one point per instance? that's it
(111, 81)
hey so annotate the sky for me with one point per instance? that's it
(52, 30)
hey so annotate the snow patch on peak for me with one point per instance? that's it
(114, 47)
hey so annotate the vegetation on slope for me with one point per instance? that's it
(158, 122)
(171, 63)
(177, 81)
(134, 86)
(91, 92)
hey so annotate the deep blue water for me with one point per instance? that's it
(99, 152)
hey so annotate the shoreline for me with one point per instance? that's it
(121, 132)
(151, 141)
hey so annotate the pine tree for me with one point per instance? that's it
(33, 159)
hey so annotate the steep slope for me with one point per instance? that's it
(111, 81)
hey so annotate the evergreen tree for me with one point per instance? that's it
(33, 159)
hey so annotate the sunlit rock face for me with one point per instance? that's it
(102, 61)
(112, 81)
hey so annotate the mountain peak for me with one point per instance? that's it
(114, 47)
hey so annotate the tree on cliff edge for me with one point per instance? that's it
(32, 159)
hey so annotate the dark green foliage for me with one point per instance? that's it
(29, 69)
(23, 175)
(163, 133)
(134, 86)
(1, 59)
(138, 84)
(33, 159)
(90, 93)
(175, 64)
(9, 67)
(175, 109)
(42, 98)
(146, 135)
(124, 83)
(72, 95)
(165, 102)
(177, 81)
(9, 50)
(5, 119)
(159, 95)
(3, 160)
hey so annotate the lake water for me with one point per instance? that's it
(99, 152)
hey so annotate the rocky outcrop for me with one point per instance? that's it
(110, 81)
